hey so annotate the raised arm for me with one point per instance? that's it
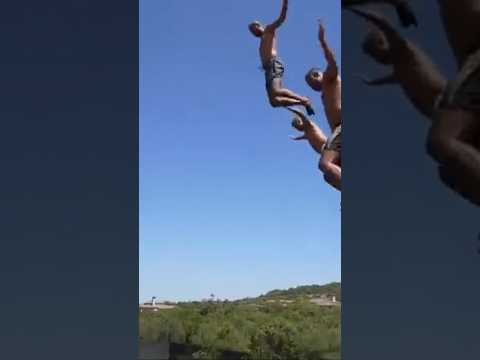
(331, 73)
(311, 132)
(283, 15)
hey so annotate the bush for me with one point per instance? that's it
(266, 331)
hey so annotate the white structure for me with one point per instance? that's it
(153, 305)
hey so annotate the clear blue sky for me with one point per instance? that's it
(228, 203)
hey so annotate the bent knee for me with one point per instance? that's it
(273, 99)
(275, 103)
(325, 166)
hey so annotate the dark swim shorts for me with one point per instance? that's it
(464, 91)
(335, 141)
(274, 69)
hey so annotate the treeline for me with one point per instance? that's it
(332, 289)
(301, 330)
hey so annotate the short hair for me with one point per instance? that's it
(254, 23)
(311, 71)
(309, 79)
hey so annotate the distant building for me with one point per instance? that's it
(325, 300)
(154, 306)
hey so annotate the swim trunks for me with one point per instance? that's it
(464, 91)
(273, 69)
(335, 141)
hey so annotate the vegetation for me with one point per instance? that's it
(332, 289)
(259, 328)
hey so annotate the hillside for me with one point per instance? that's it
(258, 328)
(332, 289)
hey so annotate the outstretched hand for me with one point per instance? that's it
(297, 138)
(321, 31)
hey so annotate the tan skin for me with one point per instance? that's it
(412, 69)
(329, 84)
(454, 139)
(311, 132)
(277, 94)
(317, 139)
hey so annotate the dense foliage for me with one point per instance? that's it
(332, 289)
(262, 330)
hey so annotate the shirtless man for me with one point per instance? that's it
(273, 66)
(318, 141)
(404, 11)
(453, 140)
(328, 83)
(413, 70)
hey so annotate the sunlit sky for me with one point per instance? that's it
(229, 204)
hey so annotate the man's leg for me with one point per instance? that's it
(280, 96)
(332, 172)
(451, 142)
(290, 94)
(283, 101)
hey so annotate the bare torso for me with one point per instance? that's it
(332, 101)
(268, 46)
(461, 19)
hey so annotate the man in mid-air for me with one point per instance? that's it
(412, 69)
(274, 68)
(454, 139)
(329, 84)
(319, 142)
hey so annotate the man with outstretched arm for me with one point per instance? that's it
(274, 68)
(332, 172)
(412, 69)
(454, 139)
(329, 84)
(454, 108)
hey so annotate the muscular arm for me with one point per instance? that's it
(283, 15)
(331, 73)
(419, 78)
(427, 82)
(311, 131)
